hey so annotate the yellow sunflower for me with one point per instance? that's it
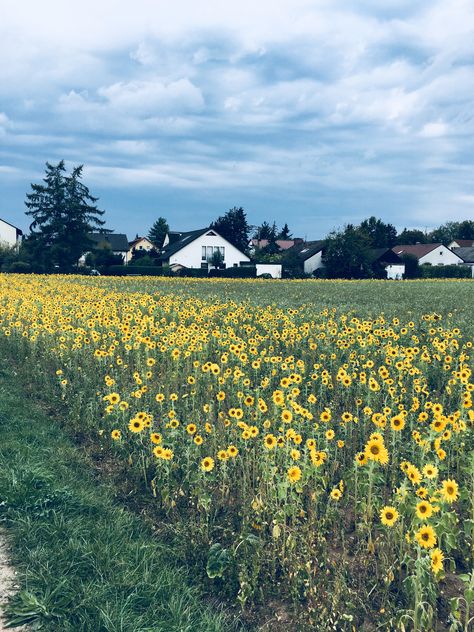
(449, 490)
(389, 516)
(426, 537)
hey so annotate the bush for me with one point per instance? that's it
(19, 267)
(427, 271)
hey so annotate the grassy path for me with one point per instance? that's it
(83, 563)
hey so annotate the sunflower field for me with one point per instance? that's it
(311, 442)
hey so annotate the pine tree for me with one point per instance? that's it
(158, 232)
(64, 213)
(233, 226)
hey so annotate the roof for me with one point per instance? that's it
(18, 230)
(283, 244)
(464, 243)
(307, 249)
(183, 240)
(466, 254)
(418, 250)
(383, 255)
(118, 241)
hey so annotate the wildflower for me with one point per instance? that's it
(207, 464)
(449, 490)
(437, 557)
(115, 434)
(294, 474)
(426, 537)
(389, 516)
(424, 509)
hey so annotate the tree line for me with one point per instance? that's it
(64, 213)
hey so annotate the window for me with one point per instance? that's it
(203, 255)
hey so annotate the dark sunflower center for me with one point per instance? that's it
(375, 449)
(425, 536)
(389, 515)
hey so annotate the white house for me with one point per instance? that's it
(9, 235)
(273, 269)
(196, 248)
(461, 243)
(310, 254)
(140, 244)
(434, 254)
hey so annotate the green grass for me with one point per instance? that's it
(83, 563)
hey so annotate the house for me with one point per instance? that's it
(10, 235)
(467, 255)
(283, 244)
(384, 260)
(117, 242)
(140, 244)
(309, 254)
(434, 254)
(461, 243)
(195, 249)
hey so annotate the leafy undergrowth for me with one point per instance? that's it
(83, 562)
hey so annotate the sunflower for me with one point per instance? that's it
(222, 455)
(376, 451)
(437, 557)
(426, 537)
(430, 471)
(294, 474)
(361, 458)
(397, 423)
(136, 425)
(449, 490)
(270, 441)
(115, 434)
(207, 464)
(232, 451)
(424, 509)
(389, 516)
(336, 494)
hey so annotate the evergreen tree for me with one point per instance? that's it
(64, 213)
(284, 233)
(233, 226)
(158, 232)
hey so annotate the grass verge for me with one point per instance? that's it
(83, 562)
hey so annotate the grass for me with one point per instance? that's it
(83, 563)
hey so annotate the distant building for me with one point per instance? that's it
(461, 243)
(434, 254)
(195, 249)
(283, 244)
(10, 235)
(384, 260)
(310, 255)
(467, 255)
(117, 242)
(140, 244)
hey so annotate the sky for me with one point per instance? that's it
(315, 113)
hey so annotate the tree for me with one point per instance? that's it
(284, 233)
(466, 230)
(378, 234)
(216, 259)
(413, 236)
(264, 231)
(233, 226)
(346, 254)
(158, 232)
(64, 213)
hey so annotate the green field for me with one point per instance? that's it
(303, 447)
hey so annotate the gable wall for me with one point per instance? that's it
(190, 255)
(7, 234)
(440, 256)
(313, 263)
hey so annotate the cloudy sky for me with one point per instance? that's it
(312, 112)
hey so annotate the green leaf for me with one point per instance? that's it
(218, 561)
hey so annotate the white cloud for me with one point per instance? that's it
(434, 129)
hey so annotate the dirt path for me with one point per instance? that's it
(7, 581)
